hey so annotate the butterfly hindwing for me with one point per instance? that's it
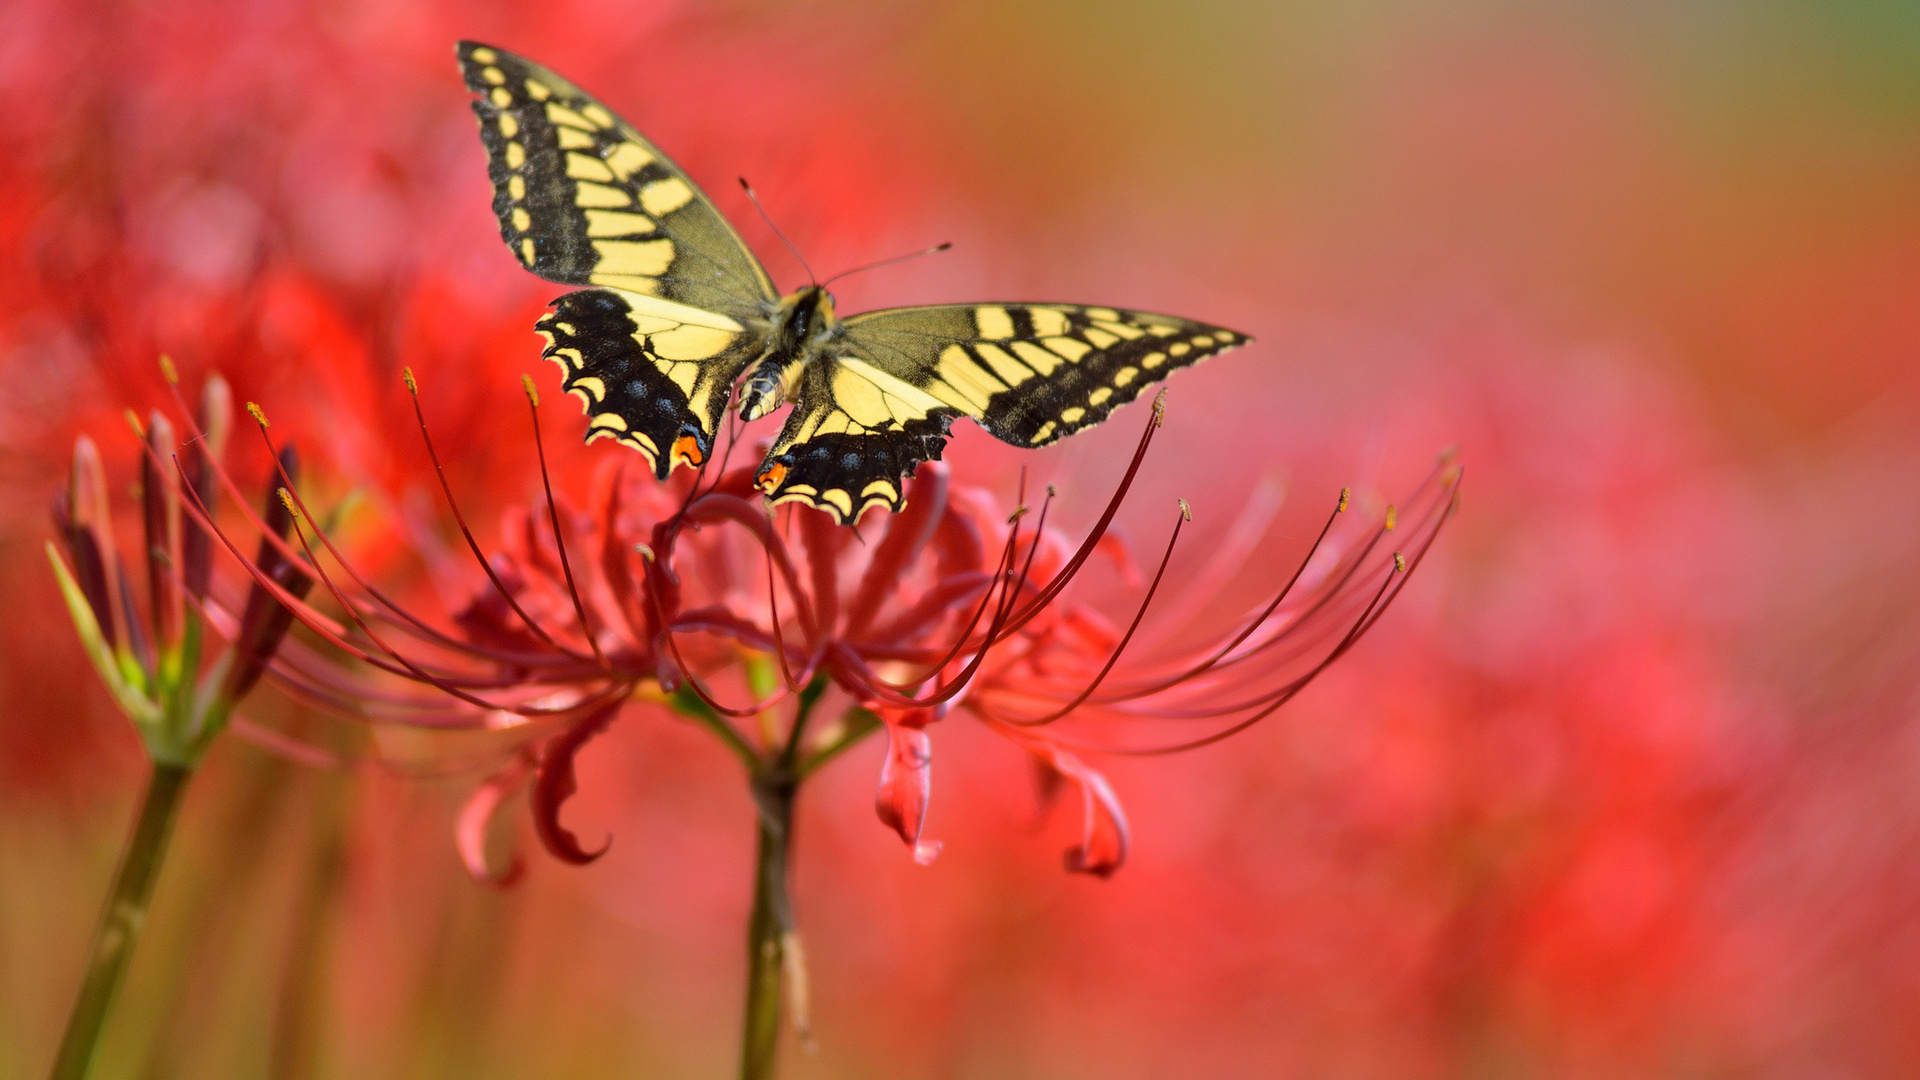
(1031, 373)
(584, 199)
(856, 433)
(651, 373)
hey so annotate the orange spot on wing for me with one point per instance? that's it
(687, 449)
(770, 477)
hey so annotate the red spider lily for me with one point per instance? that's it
(691, 594)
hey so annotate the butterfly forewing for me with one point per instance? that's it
(1032, 373)
(584, 199)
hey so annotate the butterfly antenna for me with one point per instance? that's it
(934, 250)
(768, 218)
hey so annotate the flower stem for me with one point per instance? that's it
(767, 927)
(122, 919)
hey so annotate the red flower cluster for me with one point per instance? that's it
(693, 595)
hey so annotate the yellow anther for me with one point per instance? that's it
(1399, 563)
(526, 383)
(407, 374)
(168, 371)
(1160, 407)
(1393, 517)
(1018, 513)
(644, 551)
(1186, 512)
(1052, 492)
(258, 416)
(286, 500)
(1345, 494)
(133, 421)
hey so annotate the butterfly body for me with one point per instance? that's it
(675, 314)
(803, 327)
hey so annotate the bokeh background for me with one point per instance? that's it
(1624, 787)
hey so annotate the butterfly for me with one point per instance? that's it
(679, 321)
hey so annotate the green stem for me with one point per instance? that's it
(767, 927)
(122, 919)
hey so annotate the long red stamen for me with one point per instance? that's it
(779, 640)
(354, 613)
(486, 566)
(1402, 573)
(1067, 572)
(326, 628)
(553, 518)
(733, 508)
(949, 689)
(1007, 595)
(693, 681)
(1203, 666)
(406, 619)
(1114, 657)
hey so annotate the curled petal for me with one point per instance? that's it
(554, 785)
(470, 830)
(1105, 837)
(906, 777)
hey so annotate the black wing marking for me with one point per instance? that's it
(854, 435)
(652, 374)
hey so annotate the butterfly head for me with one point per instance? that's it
(806, 314)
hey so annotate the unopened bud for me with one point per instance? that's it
(160, 505)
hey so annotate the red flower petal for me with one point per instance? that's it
(906, 777)
(1105, 839)
(470, 829)
(555, 785)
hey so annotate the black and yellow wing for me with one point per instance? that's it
(650, 373)
(1029, 373)
(584, 199)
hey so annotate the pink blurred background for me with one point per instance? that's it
(1622, 787)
